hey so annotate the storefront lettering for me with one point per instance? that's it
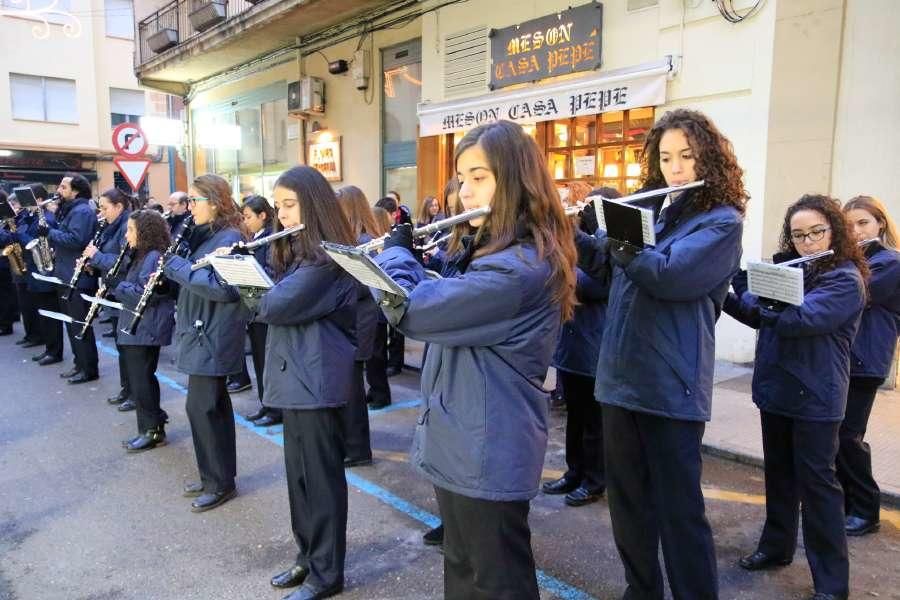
(468, 119)
(528, 110)
(570, 57)
(597, 100)
(530, 42)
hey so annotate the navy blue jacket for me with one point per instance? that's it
(69, 239)
(657, 354)
(26, 230)
(211, 318)
(310, 345)
(491, 333)
(158, 321)
(578, 349)
(873, 348)
(802, 367)
(111, 241)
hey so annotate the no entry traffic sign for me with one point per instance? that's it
(129, 140)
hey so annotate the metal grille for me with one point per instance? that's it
(466, 61)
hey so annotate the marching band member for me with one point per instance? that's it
(655, 370)
(491, 331)
(310, 375)
(147, 236)
(800, 381)
(210, 332)
(76, 223)
(870, 360)
(114, 207)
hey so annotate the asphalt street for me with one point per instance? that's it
(81, 519)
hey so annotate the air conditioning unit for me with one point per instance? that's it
(306, 96)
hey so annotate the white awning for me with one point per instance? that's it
(621, 89)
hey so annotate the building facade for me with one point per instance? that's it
(804, 89)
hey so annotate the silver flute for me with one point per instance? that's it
(462, 217)
(577, 208)
(205, 261)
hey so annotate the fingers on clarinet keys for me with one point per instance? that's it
(760, 561)
(290, 578)
(401, 236)
(43, 230)
(622, 253)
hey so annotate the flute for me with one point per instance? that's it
(462, 217)
(577, 208)
(806, 259)
(205, 261)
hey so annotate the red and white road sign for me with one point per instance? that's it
(134, 170)
(129, 140)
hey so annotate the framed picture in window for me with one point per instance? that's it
(325, 157)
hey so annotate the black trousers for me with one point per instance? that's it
(258, 333)
(28, 309)
(212, 428)
(653, 470)
(355, 419)
(584, 432)
(9, 302)
(800, 478)
(140, 368)
(862, 497)
(317, 492)
(52, 330)
(396, 348)
(123, 368)
(85, 349)
(376, 368)
(487, 549)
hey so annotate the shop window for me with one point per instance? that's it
(401, 93)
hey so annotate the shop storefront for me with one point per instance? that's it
(22, 167)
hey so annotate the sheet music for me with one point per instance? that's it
(362, 268)
(6, 211)
(776, 282)
(648, 226)
(629, 223)
(241, 271)
(601, 216)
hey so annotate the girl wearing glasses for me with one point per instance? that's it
(210, 333)
(800, 382)
(870, 359)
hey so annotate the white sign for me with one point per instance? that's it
(161, 131)
(585, 166)
(586, 96)
(218, 135)
(776, 282)
(134, 170)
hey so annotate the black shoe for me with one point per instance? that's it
(234, 387)
(211, 500)
(109, 334)
(760, 561)
(31, 343)
(21, 341)
(192, 490)
(8, 330)
(49, 360)
(581, 496)
(84, 378)
(258, 414)
(290, 578)
(379, 405)
(357, 462)
(266, 420)
(38, 357)
(824, 596)
(434, 537)
(127, 405)
(559, 486)
(126, 442)
(147, 441)
(118, 398)
(391, 371)
(73, 372)
(857, 526)
(307, 592)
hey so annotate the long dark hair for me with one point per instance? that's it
(356, 207)
(525, 196)
(842, 241)
(152, 232)
(715, 163)
(218, 193)
(259, 205)
(117, 196)
(321, 215)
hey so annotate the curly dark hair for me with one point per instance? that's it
(152, 232)
(842, 240)
(715, 164)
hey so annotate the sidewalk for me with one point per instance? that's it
(734, 431)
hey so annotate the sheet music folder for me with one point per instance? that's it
(241, 270)
(362, 268)
(627, 223)
(6, 211)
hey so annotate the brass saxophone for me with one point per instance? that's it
(40, 246)
(14, 252)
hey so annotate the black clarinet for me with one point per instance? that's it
(82, 262)
(104, 290)
(156, 277)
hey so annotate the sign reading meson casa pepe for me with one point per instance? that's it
(557, 44)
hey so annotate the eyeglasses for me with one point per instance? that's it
(192, 200)
(813, 236)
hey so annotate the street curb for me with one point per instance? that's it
(887, 498)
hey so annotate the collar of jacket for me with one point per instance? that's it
(66, 207)
(198, 235)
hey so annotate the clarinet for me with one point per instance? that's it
(104, 290)
(82, 261)
(156, 278)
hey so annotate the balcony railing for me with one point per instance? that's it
(182, 20)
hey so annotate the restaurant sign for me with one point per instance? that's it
(557, 44)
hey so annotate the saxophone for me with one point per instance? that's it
(14, 252)
(40, 246)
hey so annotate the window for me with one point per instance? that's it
(119, 18)
(402, 77)
(37, 98)
(54, 11)
(125, 106)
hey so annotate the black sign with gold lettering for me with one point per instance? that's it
(560, 43)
